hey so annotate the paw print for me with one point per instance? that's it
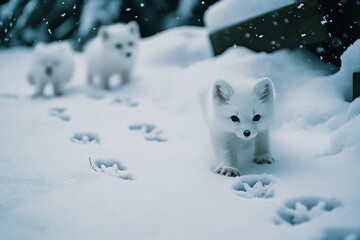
(110, 167)
(342, 233)
(255, 186)
(59, 113)
(299, 210)
(126, 101)
(86, 138)
(149, 131)
(95, 95)
(8, 96)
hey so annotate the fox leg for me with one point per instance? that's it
(125, 77)
(39, 89)
(262, 152)
(104, 82)
(227, 165)
(58, 89)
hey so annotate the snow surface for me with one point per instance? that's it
(137, 162)
(228, 12)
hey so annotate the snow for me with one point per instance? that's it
(229, 12)
(305, 209)
(137, 162)
(255, 186)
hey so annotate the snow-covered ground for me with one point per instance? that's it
(137, 162)
(228, 12)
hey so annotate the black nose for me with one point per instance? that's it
(247, 133)
(48, 71)
(128, 54)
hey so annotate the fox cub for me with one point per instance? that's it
(239, 112)
(53, 63)
(112, 52)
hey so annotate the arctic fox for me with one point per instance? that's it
(238, 113)
(112, 52)
(53, 63)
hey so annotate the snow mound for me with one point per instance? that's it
(188, 44)
(322, 99)
(354, 108)
(350, 63)
(228, 12)
(346, 137)
(255, 186)
(350, 59)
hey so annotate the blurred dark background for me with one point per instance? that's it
(24, 22)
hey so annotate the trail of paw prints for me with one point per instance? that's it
(125, 101)
(255, 186)
(59, 113)
(304, 209)
(85, 138)
(149, 131)
(110, 167)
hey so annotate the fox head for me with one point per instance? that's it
(244, 109)
(53, 59)
(120, 39)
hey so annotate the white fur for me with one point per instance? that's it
(52, 64)
(112, 52)
(243, 98)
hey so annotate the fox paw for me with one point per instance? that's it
(227, 171)
(264, 159)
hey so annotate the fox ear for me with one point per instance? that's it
(104, 33)
(222, 91)
(134, 28)
(264, 90)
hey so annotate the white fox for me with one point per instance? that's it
(238, 113)
(53, 63)
(112, 52)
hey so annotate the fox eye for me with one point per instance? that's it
(256, 117)
(235, 119)
(131, 44)
(118, 45)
